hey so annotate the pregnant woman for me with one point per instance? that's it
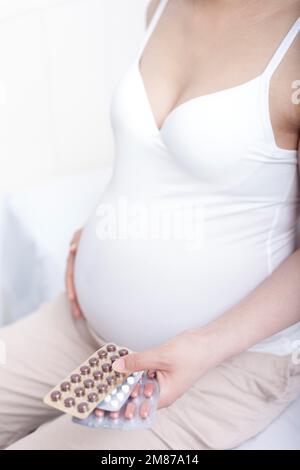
(206, 124)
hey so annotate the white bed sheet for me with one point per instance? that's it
(283, 434)
(38, 225)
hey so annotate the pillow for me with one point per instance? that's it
(38, 225)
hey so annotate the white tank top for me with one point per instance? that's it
(196, 214)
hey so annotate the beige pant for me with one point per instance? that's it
(227, 406)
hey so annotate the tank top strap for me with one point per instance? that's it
(154, 20)
(282, 50)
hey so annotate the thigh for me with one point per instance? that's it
(227, 406)
(63, 434)
(234, 401)
(40, 350)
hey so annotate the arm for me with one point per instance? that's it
(272, 307)
(275, 304)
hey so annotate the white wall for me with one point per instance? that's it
(59, 62)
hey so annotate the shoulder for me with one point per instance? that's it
(286, 85)
(294, 78)
(296, 70)
(152, 6)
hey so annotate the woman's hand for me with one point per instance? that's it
(70, 286)
(273, 306)
(178, 364)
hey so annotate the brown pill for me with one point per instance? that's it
(148, 390)
(119, 374)
(114, 357)
(111, 347)
(106, 367)
(111, 380)
(94, 361)
(83, 407)
(97, 375)
(114, 414)
(135, 391)
(65, 386)
(85, 370)
(79, 391)
(88, 383)
(69, 402)
(75, 378)
(56, 395)
(130, 410)
(99, 413)
(102, 388)
(151, 374)
(122, 352)
(102, 354)
(145, 409)
(93, 397)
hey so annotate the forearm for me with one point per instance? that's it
(272, 307)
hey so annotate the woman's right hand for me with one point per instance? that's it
(70, 285)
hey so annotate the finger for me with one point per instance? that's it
(139, 361)
(76, 309)
(163, 402)
(73, 248)
(76, 238)
(69, 277)
(166, 390)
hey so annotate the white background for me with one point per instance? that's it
(59, 62)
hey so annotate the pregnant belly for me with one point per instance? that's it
(140, 293)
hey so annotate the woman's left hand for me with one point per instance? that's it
(178, 364)
(70, 286)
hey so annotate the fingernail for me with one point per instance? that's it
(77, 312)
(119, 365)
(73, 247)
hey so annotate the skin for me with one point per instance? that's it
(70, 286)
(195, 49)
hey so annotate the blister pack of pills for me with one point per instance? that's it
(138, 411)
(119, 395)
(88, 385)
